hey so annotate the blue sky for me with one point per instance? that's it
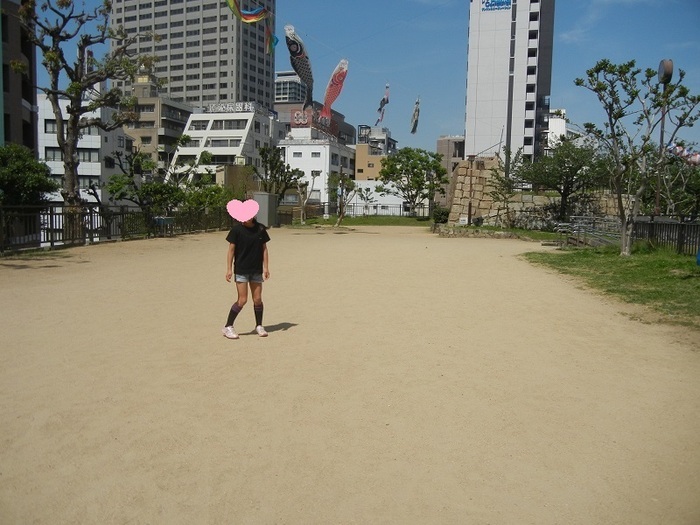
(419, 48)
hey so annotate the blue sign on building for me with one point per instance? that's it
(495, 5)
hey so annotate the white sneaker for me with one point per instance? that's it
(229, 332)
(261, 331)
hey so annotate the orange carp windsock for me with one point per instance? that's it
(335, 86)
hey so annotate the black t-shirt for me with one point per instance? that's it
(249, 244)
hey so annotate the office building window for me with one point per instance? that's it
(50, 126)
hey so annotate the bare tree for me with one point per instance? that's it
(59, 29)
(344, 187)
(505, 182)
(634, 110)
(304, 190)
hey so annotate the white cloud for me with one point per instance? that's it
(594, 11)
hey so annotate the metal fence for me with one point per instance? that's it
(57, 225)
(678, 234)
(286, 214)
(675, 233)
(54, 226)
(590, 231)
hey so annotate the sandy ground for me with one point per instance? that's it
(407, 379)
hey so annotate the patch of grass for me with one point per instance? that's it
(662, 280)
(536, 235)
(528, 235)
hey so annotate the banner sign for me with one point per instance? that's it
(495, 5)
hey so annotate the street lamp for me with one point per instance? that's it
(665, 75)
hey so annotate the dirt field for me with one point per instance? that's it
(406, 379)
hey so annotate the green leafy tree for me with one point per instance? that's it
(60, 29)
(413, 174)
(152, 194)
(24, 181)
(635, 104)
(158, 191)
(204, 203)
(204, 194)
(366, 195)
(126, 186)
(161, 198)
(274, 175)
(571, 170)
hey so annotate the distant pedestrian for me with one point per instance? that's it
(247, 261)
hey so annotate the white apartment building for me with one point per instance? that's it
(559, 127)
(207, 54)
(509, 69)
(96, 149)
(317, 154)
(233, 133)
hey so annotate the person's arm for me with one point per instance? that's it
(266, 270)
(229, 261)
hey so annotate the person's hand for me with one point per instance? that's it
(229, 274)
(266, 274)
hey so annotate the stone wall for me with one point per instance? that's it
(472, 183)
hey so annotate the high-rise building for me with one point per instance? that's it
(18, 101)
(509, 69)
(289, 87)
(161, 121)
(207, 55)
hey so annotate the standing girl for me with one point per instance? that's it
(247, 260)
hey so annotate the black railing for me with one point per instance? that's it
(58, 225)
(676, 233)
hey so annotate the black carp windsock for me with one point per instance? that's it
(300, 63)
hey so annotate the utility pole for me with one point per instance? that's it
(665, 75)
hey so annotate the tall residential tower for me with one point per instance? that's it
(18, 122)
(206, 54)
(509, 69)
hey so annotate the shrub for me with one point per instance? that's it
(440, 215)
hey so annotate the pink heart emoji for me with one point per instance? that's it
(242, 211)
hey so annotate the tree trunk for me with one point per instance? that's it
(563, 205)
(626, 237)
(627, 230)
